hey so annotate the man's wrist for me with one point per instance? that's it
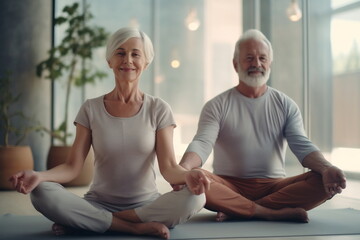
(186, 166)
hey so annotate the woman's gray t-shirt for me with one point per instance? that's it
(124, 150)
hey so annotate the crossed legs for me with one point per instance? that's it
(285, 199)
(71, 212)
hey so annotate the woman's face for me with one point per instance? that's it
(128, 62)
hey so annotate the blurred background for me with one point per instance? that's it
(316, 62)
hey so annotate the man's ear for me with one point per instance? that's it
(108, 63)
(235, 64)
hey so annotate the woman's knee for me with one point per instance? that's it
(193, 203)
(187, 206)
(43, 197)
(172, 208)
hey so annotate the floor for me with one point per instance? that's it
(15, 203)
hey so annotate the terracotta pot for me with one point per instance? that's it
(14, 159)
(58, 155)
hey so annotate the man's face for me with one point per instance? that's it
(253, 63)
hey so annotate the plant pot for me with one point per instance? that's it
(59, 154)
(14, 159)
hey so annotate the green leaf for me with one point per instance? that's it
(59, 20)
(71, 9)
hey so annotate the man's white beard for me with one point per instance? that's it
(253, 81)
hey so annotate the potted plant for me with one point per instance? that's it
(69, 61)
(13, 157)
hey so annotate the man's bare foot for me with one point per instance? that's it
(154, 229)
(285, 214)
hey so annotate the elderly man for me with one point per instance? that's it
(249, 127)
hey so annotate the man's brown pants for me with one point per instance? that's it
(238, 197)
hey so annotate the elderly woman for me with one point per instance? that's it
(127, 128)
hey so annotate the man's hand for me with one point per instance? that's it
(25, 181)
(197, 182)
(334, 180)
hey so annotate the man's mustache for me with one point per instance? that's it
(256, 69)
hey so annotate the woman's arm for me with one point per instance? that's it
(26, 181)
(72, 167)
(170, 170)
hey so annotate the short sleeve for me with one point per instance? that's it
(164, 116)
(83, 115)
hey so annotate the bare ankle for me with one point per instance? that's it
(60, 230)
(284, 214)
(153, 229)
(221, 217)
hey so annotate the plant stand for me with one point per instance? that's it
(14, 159)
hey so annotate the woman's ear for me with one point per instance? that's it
(108, 63)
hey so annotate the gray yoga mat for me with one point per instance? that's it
(202, 226)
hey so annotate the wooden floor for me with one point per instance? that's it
(19, 204)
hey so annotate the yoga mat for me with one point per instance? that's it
(202, 226)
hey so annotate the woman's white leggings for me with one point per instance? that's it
(68, 209)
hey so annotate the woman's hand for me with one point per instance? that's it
(197, 182)
(25, 181)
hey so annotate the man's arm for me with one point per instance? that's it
(333, 178)
(190, 160)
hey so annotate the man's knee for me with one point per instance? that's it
(315, 180)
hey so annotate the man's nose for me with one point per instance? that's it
(256, 62)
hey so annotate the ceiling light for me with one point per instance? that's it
(293, 11)
(191, 20)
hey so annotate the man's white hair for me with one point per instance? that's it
(124, 34)
(255, 35)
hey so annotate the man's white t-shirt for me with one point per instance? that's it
(250, 135)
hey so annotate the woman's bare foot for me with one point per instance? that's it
(153, 228)
(59, 229)
(221, 217)
(284, 214)
(128, 222)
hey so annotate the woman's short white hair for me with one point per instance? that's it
(255, 35)
(124, 34)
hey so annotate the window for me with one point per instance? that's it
(317, 63)
(194, 42)
(345, 46)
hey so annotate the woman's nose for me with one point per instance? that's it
(128, 59)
